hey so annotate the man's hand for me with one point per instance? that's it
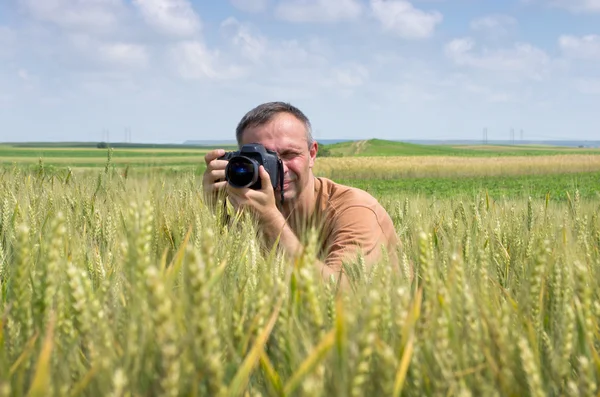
(261, 203)
(213, 180)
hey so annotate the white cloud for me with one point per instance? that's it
(251, 6)
(351, 76)
(487, 93)
(193, 61)
(80, 14)
(521, 61)
(108, 84)
(122, 55)
(28, 81)
(294, 55)
(23, 75)
(289, 68)
(577, 6)
(172, 17)
(7, 40)
(5, 100)
(318, 10)
(588, 86)
(252, 45)
(403, 19)
(270, 56)
(126, 54)
(495, 25)
(585, 47)
(6, 35)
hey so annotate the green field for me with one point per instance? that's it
(379, 147)
(117, 279)
(81, 155)
(383, 168)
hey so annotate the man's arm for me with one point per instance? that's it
(213, 179)
(271, 221)
(275, 226)
(356, 230)
(361, 230)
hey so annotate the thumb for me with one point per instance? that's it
(265, 178)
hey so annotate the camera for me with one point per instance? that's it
(242, 167)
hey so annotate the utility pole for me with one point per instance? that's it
(127, 134)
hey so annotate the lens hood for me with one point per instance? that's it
(242, 171)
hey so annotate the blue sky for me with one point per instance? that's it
(176, 70)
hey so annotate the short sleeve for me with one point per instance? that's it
(356, 229)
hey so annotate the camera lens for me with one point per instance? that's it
(242, 171)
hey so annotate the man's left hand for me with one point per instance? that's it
(260, 202)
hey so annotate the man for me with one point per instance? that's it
(348, 220)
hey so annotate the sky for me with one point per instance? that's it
(169, 71)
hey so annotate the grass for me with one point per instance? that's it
(379, 147)
(94, 145)
(56, 154)
(85, 155)
(556, 187)
(129, 285)
(59, 153)
(116, 279)
(438, 166)
(384, 176)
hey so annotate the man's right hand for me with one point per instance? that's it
(213, 181)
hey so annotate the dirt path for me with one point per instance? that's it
(358, 147)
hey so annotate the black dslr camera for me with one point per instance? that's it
(242, 167)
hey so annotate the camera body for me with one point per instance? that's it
(243, 165)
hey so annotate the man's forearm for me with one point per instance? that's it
(277, 227)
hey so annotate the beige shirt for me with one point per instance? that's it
(349, 219)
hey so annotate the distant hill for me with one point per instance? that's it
(209, 142)
(348, 146)
(429, 142)
(380, 147)
(91, 145)
(559, 143)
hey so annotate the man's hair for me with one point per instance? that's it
(264, 113)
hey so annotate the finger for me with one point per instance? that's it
(213, 175)
(236, 202)
(213, 154)
(240, 192)
(265, 179)
(214, 192)
(216, 165)
(217, 186)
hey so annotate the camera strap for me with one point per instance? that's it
(280, 165)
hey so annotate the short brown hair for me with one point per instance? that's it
(265, 112)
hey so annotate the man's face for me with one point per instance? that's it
(286, 135)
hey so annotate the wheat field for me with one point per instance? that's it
(395, 167)
(117, 286)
